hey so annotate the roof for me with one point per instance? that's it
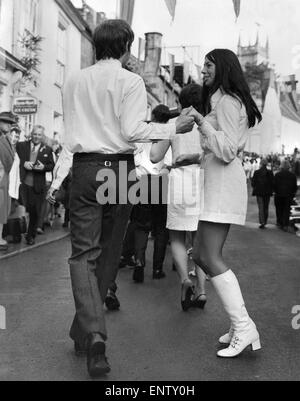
(289, 108)
(75, 16)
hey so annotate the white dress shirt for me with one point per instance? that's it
(105, 109)
(62, 168)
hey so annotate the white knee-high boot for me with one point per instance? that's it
(243, 331)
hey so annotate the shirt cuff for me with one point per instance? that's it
(206, 129)
(172, 127)
(56, 184)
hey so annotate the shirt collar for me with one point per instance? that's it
(216, 97)
(110, 61)
(35, 147)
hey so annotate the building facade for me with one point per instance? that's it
(41, 42)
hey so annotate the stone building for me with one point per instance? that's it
(277, 99)
(44, 41)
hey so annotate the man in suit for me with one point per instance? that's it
(35, 161)
(262, 183)
(285, 191)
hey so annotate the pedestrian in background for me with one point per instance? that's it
(7, 157)
(285, 187)
(151, 216)
(263, 188)
(184, 188)
(35, 160)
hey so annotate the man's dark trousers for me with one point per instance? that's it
(283, 210)
(97, 233)
(33, 202)
(263, 206)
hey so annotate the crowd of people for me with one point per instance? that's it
(274, 175)
(26, 173)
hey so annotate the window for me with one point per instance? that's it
(27, 123)
(61, 55)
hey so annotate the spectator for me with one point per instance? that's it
(35, 160)
(285, 191)
(6, 163)
(147, 217)
(7, 119)
(262, 183)
(297, 165)
(14, 177)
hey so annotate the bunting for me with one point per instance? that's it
(237, 7)
(172, 67)
(126, 10)
(199, 72)
(142, 49)
(186, 72)
(171, 4)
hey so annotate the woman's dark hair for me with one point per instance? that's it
(112, 39)
(230, 78)
(192, 95)
(161, 114)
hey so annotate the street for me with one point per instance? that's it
(150, 337)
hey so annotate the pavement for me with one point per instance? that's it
(150, 338)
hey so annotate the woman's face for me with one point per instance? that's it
(14, 137)
(209, 73)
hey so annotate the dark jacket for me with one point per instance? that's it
(45, 156)
(285, 184)
(263, 182)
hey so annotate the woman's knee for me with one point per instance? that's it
(201, 258)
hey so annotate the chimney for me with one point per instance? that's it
(100, 18)
(153, 53)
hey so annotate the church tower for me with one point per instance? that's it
(254, 53)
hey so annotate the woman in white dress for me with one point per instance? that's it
(229, 113)
(184, 204)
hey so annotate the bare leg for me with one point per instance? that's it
(179, 254)
(209, 244)
(208, 247)
(201, 277)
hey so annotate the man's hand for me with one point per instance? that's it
(184, 124)
(198, 117)
(51, 196)
(39, 166)
(28, 166)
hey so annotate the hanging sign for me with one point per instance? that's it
(25, 106)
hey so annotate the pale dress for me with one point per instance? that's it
(224, 137)
(185, 185)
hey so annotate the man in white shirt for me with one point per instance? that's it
(105, 111)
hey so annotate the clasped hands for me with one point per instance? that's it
(188, 117)
(34, 166)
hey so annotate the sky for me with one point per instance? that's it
(208, 24)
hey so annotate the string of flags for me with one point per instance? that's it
(237, 7)
(171, 4)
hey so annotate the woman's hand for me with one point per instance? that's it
(188, 160)
(199, 119)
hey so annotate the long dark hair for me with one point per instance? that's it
(230, 78)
